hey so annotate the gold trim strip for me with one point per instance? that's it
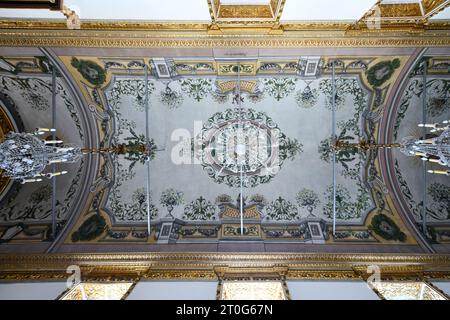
(209, 266)
(36, 40)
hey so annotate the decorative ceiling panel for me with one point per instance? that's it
(196, 149)
(325, 10)
(405, 169)
(194, 198)
(26, 82)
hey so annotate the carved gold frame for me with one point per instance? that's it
(213, 266)
(302, 35)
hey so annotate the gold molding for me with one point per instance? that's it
(132, 34)
(240, 13)
(400, 15)
(20, 38)
(209, 266)
(118, 25)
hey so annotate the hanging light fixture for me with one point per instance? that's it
(435, 149)
(24, 156)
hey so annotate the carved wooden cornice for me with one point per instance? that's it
(210, 266)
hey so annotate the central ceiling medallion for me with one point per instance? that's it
(243, 143)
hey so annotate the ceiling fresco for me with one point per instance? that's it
(25, 213)
(408, 171)
(198, 107)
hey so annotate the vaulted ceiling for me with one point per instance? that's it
(284, 85)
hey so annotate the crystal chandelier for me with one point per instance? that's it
(435, 149)
(24, 156)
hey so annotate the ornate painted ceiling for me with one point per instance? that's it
(286, 100)
(285, 90)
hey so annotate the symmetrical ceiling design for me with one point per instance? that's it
(200, 72)
(193, 117)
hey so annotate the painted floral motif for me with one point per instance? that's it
(308, 199)
(37, 206)
(255, 97)
(133, 143)
(344, 87)
(197, 89)
(279, 88)
(438, 93)
(136, 210)
(171, 98)
(258, 199)
(386, 228)
(289, 148)
(223, 198)
(199, 209)
(41, 194)
(307, 98)
(360, 235)
(170, 199)
(93, 227)
(343, 156)
(281, 210)
(346, 208)
(382, 71)
(130, 87)
(247, 141)
(438, 104)
(90, 71)
(36, 92)
(440, 193)
(220, 98)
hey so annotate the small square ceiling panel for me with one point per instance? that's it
(326, 10)
(245, 10)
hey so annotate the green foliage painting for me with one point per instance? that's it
(90, 229)
(381, 72)
(386, 228)
(90, 71)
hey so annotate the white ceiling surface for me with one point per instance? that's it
(197, 10)
(443, 15)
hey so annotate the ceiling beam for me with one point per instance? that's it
(36, 4)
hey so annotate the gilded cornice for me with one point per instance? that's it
(11, 38)
(8, 261)
(125, 34)
(117, 25)
(210, 266)
(183, 26)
